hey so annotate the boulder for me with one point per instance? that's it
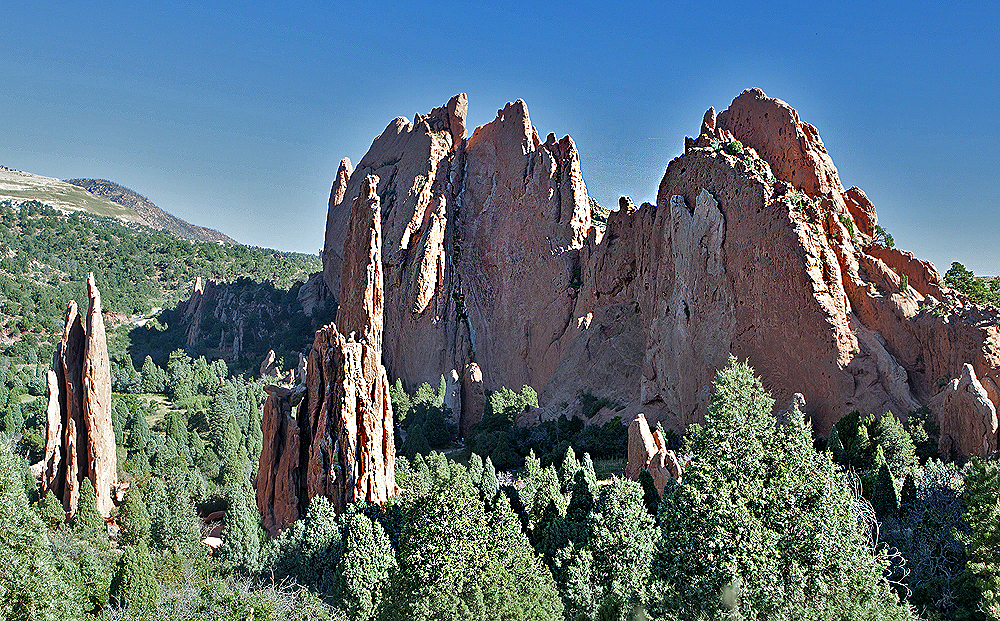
(80, 440)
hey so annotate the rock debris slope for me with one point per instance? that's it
(339, 443)
(80, 440)
(753, 248)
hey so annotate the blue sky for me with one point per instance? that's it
(235, 115)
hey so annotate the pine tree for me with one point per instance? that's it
(134, 586)
(650, 497)
(240, 533)
(900, 453)
(87, 520)
(758, 530)
(490, 486)
(364, 570)
(254, 441)
(982, 495)
(476, 469)
(51, 510)
(30, 585)
(835, 446)
(568, 469)
(134, 518)
(885, 495)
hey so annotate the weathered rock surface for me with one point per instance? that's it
(965, 405)
(458, 215)
(80, 440)
(339, 444)
(473, 399)
(752, 249)
(647, 450)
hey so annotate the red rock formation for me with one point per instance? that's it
(340, 443)
(458, 216)
(648, 451)
(473, 398)
(964, 405)
(80, 440)
(753, 248)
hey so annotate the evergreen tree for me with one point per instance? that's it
(476, 469)
(363, 573)
(835, 446)
(885, 496)
(134, 518)
(490, 486)
(240, 533)
(622, 548)
(749, 538)
(134, 586)
(568, 469)
(153, 378)
(896, 443)
(87, 520)
(254, 441)
(30, 585)
(982, 495)
(415, 443)
(650, 497)
(400, 401)
(222, 410)
(51, 510)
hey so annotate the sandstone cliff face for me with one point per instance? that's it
(752, 249)
(340, 442)
(763, 254)
(647, 450)
(80, 440)
(482, 239)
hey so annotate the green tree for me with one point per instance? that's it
(240, 534)
(622, 542)
(982, 496)
(363, 573)
(134, 586)
(87, 520)
(133, 518)
(30, 585)
(897, 444)
(762, 525)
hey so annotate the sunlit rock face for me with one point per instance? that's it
(753, 248)
(80, 440)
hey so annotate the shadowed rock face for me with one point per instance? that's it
(80, 440)
(340, 442)
(755, 250)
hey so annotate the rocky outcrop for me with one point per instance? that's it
(753, 248)
(648, 451)
(80, 440)
(458, 214)
(339, 444)
(313, 293)
(473, 399)
(965, 405)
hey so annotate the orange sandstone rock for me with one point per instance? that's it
(80, 440)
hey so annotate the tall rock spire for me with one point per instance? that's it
(340, 444)
(80, 440)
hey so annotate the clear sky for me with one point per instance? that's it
(235, 115)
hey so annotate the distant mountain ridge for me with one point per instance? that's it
(152, 215)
